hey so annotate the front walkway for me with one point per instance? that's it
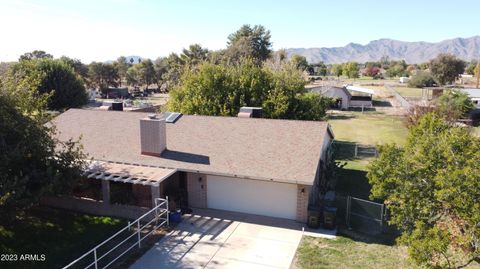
(221, 239)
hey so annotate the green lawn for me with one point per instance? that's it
(369, 128)
(61, 235)
(344, 252)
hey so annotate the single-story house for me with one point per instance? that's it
(253, 165)
(340, 95)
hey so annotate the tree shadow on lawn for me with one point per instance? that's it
(61, 235)
(354, 183)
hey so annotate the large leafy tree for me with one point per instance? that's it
(351, 70)
(121, 65)
(54, 77)
(146, 72)
(34, 55)
(102, 75)
(79, 68)
(194, 55)
(422, 79)
(160, 66)
(453, 104)
(431, 187)
(33, 163)
(446, 68)
(337, 70)
(221, 89)
(300, 62)
(397, 69)
(250, 42)
(174, 67)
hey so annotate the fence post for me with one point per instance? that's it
(356, 149)
(382, 208)
(95, 256)
(347, 215)
(168, 213)
(138, 232)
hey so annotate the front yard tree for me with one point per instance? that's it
(446, 68)
(431, 187)
(32, 163)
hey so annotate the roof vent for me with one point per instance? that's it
(250, 112)
(152, 116)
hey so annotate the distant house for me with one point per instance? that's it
(474, 95)
(340, 95)
(345, 97)
(252, 165)
(361, 97)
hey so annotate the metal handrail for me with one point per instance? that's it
(160, 209)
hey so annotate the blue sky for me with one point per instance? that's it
(104, 29)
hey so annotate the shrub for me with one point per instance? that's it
(422, 79)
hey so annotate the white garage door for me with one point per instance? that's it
(252, 196)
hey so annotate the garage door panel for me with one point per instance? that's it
(252, 196)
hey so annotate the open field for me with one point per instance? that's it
(61, 235)
(345, 252)
(407, 92)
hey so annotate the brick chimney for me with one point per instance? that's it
(153, 135)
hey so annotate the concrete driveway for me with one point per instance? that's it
(220, 239)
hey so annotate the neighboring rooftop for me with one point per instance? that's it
(359, 89)
(330, 91)
(472, 93)
(280, 150)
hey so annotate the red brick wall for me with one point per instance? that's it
(302, 202)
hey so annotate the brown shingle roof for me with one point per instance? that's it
(279, 150)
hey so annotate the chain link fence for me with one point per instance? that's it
(348, 150)
(361, 215)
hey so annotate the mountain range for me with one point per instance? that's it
(412, 52)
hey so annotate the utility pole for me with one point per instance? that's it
(478, 74)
